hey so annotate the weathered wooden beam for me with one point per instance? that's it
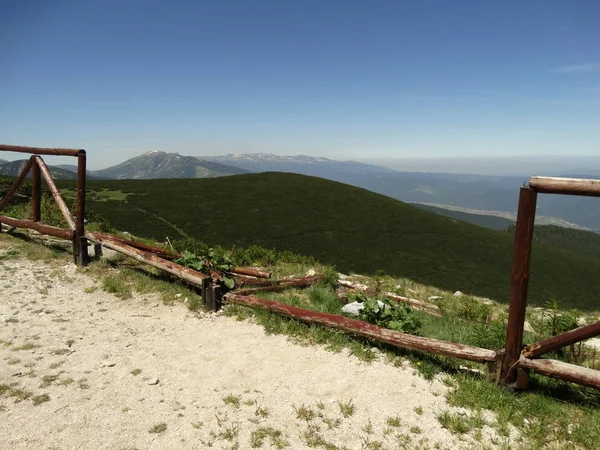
(566, 186)
(17, 184)
(562, 340)
(64, 209)
(416, 304)
(39, 227)
(253, 272)
(519, 283)
(39, 150)
(185, 273)
(80, 245)
(36, 191)
(365, 329)
(281, 285)
(165, 254)
(353, 285)
(563, 371)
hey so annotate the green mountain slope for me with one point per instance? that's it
(493, 222)
(350, 227)
(577, 241)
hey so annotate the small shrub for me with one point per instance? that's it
(159, 428)
(396, 317)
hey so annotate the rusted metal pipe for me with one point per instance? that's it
(55, 192)
(562, 340)
(17, 184)
(566, 186)
(370, 331)
(40, 227)
(40, 151)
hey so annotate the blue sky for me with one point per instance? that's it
(343, 79)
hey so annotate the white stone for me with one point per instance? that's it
(311, 273)
(458, 294)
(355, 308)
(109, 363)
(153, 381)
(527, 328)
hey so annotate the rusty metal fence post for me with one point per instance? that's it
(519, 284)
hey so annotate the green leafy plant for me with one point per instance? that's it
(212, 260)
(383, 313)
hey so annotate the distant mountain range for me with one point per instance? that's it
(495, 194)
(300, 164)
(14, 168)
(158, 164)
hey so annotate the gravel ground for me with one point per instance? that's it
(83, 369)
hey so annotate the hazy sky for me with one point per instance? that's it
(343, 79)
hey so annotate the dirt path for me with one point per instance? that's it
(117, 372)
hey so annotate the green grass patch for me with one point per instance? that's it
(425, 247)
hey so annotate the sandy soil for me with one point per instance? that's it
(115, 369)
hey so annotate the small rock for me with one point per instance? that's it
(594, 342)
(462, 411)
(153, 381)
(434, 297)
(311, 273)
(581, 321)
(353, 308)
(375, 350)
(527, 328)
(178, 295)
(488, 302)
(109, 363)
(458, 294)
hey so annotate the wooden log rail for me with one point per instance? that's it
(416, 304)
(563, 371)
(566, 186)
(165, 254)
(41, 151)
(171, 255)
(39, 227)
(189, 275)
(367, 330)
(519, 283)
(55, 193)
(281, 285)
(562, 340)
